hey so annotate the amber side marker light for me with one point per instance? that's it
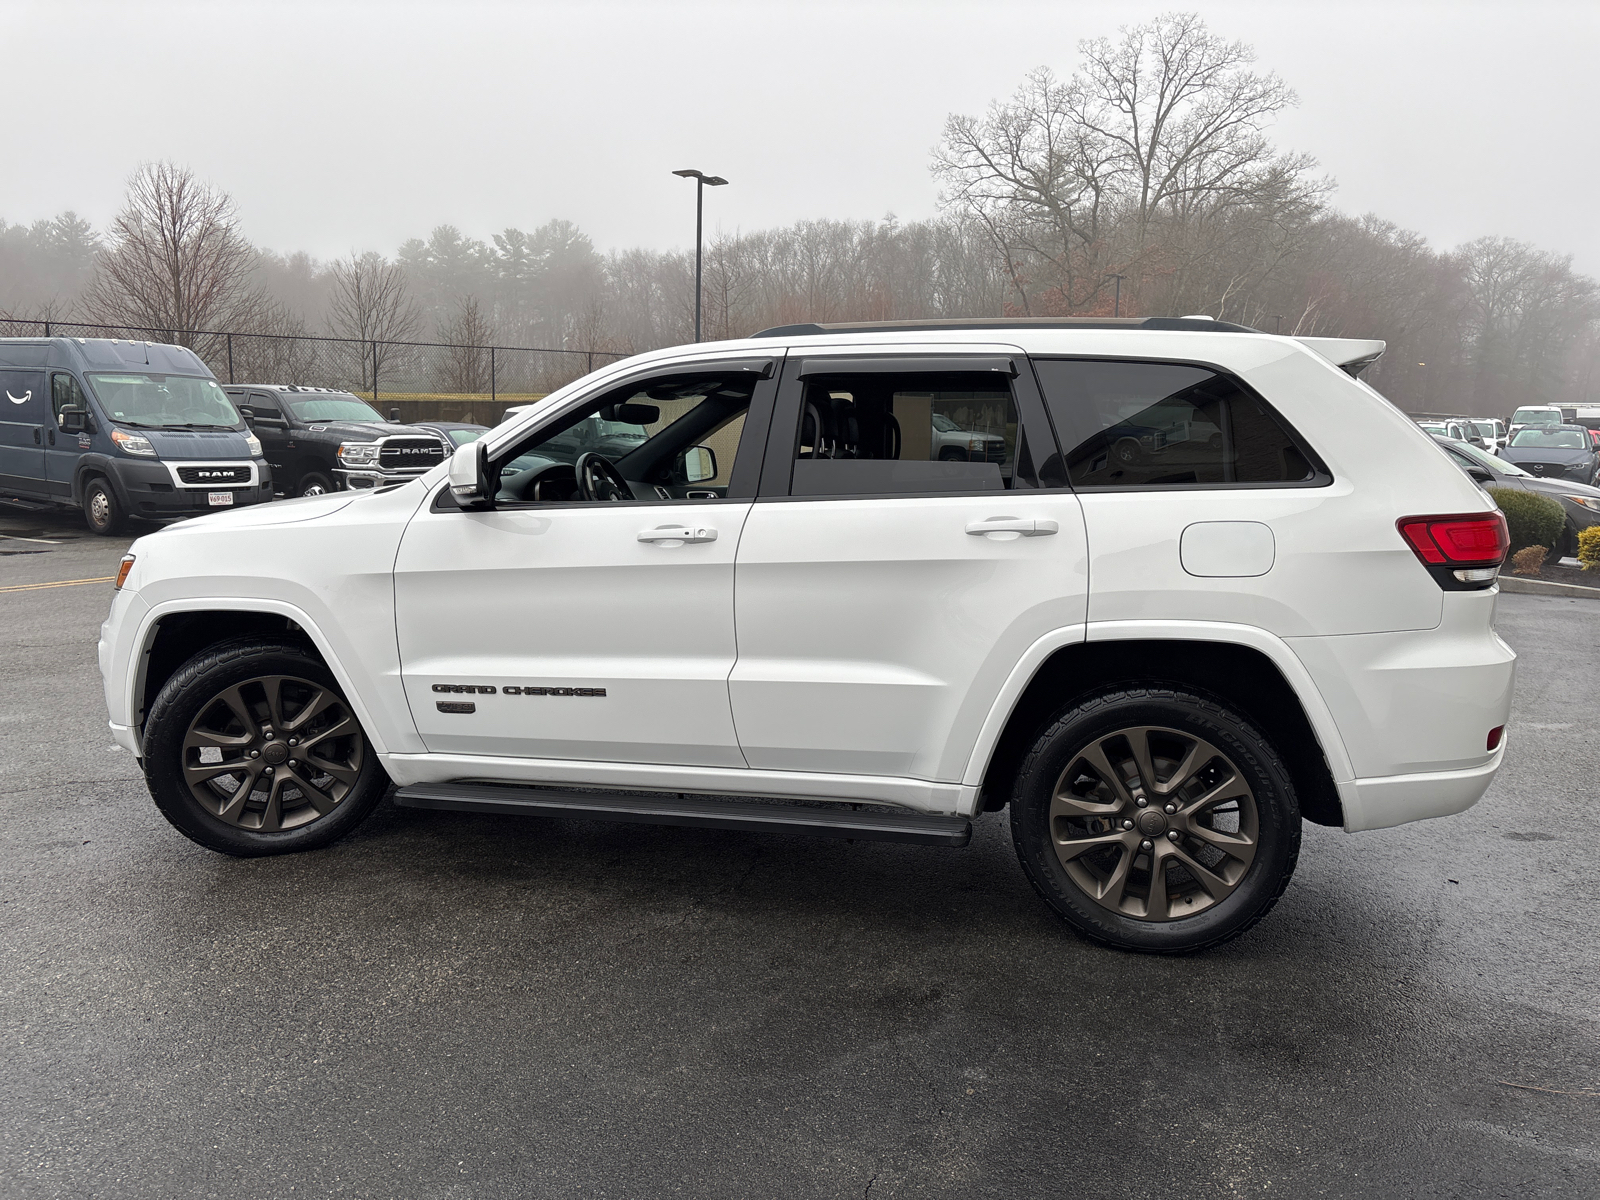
(122, 571)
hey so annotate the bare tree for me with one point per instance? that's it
(177, 262)
(1138, 164)
(466, 367)
(370, 303)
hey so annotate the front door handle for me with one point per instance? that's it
(37, 440)
(1026, 526)
(677, 535)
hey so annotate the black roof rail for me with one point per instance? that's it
(948, 324)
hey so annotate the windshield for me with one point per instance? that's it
(462, 436)
(1432, 426)
(1484, 428)
(165, 401)
(1552, 439)
(1536, 416)
(341, 407)
(1498, 465)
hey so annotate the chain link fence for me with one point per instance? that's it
(421, 380)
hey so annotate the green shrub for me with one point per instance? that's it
(1589, 548)
(1534, 520)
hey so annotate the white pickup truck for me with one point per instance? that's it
(783, 608)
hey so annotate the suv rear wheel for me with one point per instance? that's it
(1156, 820)
(251, 749)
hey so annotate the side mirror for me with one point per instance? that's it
(470, 484)
(74, 420)
(394, 415)
(698, 464)
(1480, 474)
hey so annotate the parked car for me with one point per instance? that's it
(321, 440)
(1541, 415)
(1491, 433)
(1462, 429)
(1581, 502)
(954, 443)
(120, 430)
(1554, 452)
(1160, 668)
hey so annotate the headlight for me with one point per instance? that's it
(133, 443)
(253, 443)
(1587, 501)
(358, 453)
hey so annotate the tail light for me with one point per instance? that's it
(1462, 551)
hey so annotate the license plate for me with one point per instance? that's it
(219, 499)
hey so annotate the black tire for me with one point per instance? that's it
(1567, 544)
(312, 484)
(954, 454)
(196, 690)
(1168, 720)
(102, 510)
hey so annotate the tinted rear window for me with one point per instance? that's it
(1144, 424)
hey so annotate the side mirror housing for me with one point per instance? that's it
(1480, 474)
(74, 420)
(394, 416)
(470, 485)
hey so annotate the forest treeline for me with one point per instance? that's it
(1146, 182)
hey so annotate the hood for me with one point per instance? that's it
(1559, 487)
(1544, 454)
(197, 443)
(279, 512)
(371, 431)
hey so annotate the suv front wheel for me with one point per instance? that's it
(251, 749)
(1156, 820)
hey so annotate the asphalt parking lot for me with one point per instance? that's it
(464, 1007)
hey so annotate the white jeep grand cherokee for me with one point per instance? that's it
(784, 606)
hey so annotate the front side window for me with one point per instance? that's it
(154, 401)
(264, 405)
(671, 438)
(66, 394)
(906, 433)
(1149, 425)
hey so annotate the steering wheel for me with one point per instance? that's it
(599, 480)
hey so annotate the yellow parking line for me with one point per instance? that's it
(34, 587)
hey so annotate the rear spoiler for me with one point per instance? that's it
(1350, 355)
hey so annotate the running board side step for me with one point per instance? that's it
(646, 808)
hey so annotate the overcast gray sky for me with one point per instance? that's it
(354, 126)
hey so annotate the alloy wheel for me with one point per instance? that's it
(273, 753)
(1154, 823)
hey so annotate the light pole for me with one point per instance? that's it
(1117, 309)
(701, 182)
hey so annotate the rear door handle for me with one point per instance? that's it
(1026, 526)
(677, 535)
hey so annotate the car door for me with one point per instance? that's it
(24, 418)
(557, 628)
(62, 448)
(886, 586)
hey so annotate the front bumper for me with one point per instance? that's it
(357, 478)
(152, 489)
